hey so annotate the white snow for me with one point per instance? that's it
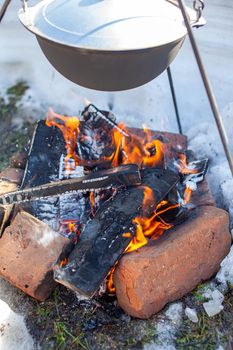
(214, 295)
(214, 305)
(225, 274)
(13, 331)
(204, 141)
(191, 314)
(220, 347)
(174, 313)
(166, 328)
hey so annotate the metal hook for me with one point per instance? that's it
(198, 6)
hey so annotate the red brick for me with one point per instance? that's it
(28, 251)
(202, 196)
(164, 271)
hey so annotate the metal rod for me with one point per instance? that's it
(169, 74)
(210, 94)
(4, 8)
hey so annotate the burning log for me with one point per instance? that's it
(105, 238)
(94, 141)
(124, 175)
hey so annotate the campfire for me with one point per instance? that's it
(106, 190)
(125, 218)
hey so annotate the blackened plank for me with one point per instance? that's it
(123, 175)
(102, 242)
(44, 157)
(2, 213)
(42, 167)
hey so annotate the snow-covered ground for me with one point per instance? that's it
(13, 332)
(21, 58)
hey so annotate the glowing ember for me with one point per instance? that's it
(187, 195)
(71, 229)
(126, 235)
(64, 262)
(92, 202)
(148, 199)
(110, 285)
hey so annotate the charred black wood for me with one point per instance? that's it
(102, 242)
(199, 169)
(42, 167)
(123, 175)
(2, 215)
(2, 212)
(176, 214)
(44, 156)
(95, 141)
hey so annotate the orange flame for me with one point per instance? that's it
(183, 167)
(72, 227)
(64, 262)
(187, 195)
(128, 148)
(144, 152)
(110, 285)
(148, 199)
(151, 227)
(92, 202)
(69, 127)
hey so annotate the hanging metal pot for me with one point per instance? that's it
(108, 44)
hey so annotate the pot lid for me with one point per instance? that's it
(111, 25)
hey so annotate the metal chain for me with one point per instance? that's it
(198, 6)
